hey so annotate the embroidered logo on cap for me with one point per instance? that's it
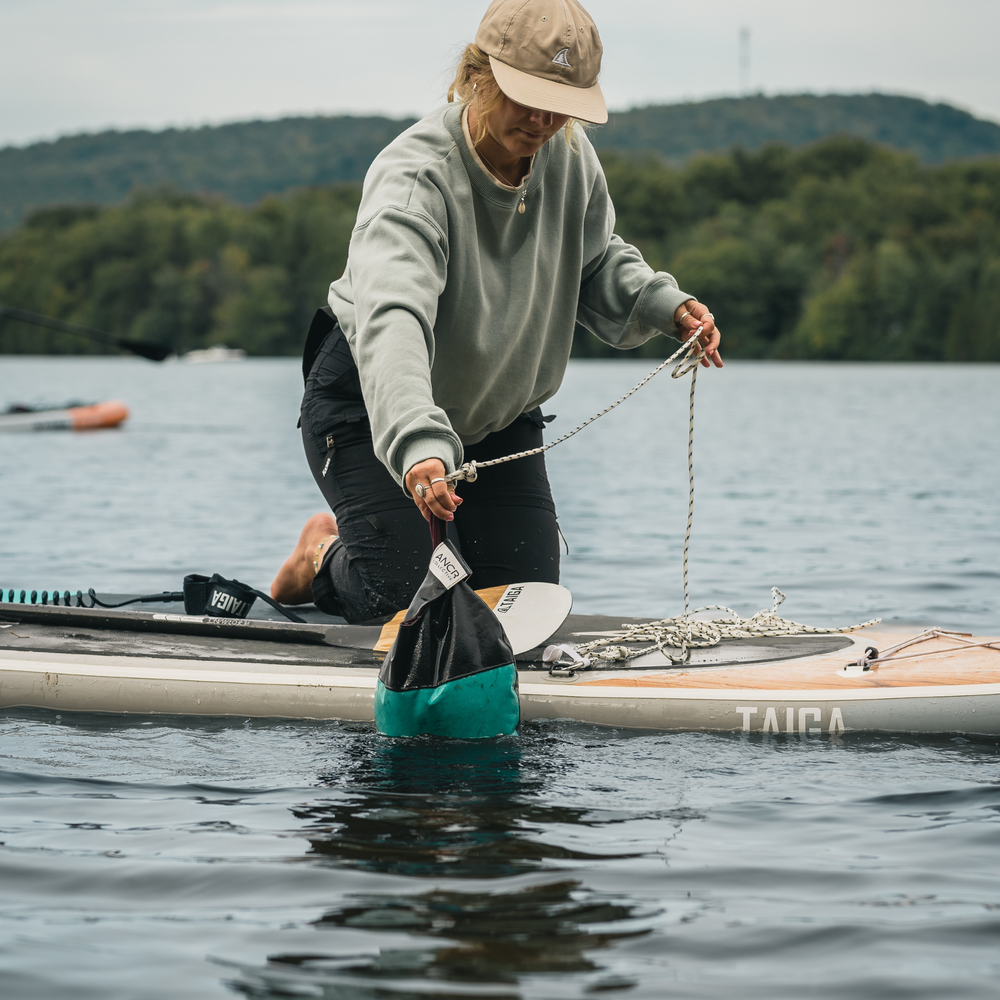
(561, 58)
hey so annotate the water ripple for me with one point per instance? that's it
(164, 857)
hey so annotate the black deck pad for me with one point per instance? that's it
(170, 622)
(78, 640)
(580, 629)
(81, 632)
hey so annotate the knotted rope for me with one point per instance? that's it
(683, 632)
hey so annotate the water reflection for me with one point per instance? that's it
(453, 811)
(481, 944)
(436, 808)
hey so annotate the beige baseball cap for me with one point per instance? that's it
(545, 54)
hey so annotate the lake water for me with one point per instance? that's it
(164, 858)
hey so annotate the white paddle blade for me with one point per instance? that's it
(530, 612)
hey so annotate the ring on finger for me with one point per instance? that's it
(683, 315)
(440, 479)
(421, 490)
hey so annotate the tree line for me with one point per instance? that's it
(840, 250)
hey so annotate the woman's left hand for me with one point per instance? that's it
(688, 318)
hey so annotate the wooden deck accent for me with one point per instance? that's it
(491, 595)
(968, 666)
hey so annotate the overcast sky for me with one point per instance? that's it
(73, 66)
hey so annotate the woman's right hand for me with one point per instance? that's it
(438, 498)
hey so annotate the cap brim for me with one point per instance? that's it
(585, 103)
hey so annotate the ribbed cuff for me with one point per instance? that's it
(661, 303)
(420, 449)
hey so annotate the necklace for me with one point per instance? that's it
(496, 173)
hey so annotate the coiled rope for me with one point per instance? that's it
(43, 598)
(676, 637)
(81, 598)
(673, 637)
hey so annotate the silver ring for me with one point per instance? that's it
(420, 490)
(440, 479)
(681, 320)
(707, 316)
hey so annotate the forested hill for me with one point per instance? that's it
(934, 132)
(245, 161)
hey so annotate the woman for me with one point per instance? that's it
(482, 241)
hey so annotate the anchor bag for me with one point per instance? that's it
(451, 670)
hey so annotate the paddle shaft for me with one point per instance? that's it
(153, 352)
(373, 638)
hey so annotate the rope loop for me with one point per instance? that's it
(673, 637)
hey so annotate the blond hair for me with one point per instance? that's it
(474, 80)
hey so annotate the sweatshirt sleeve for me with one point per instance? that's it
(398, 267)
(623, 301)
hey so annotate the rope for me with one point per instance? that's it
(686, 632)
(683, 632)
(690, 519)
(470, 470)
(676, 637)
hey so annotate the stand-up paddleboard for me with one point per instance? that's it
(69, 418)
(789, 685)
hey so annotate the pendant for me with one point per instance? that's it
(520, 207)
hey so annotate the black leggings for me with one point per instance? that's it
(506, 526)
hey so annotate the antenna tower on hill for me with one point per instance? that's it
(744, 61)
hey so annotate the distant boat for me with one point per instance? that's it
(71, 417)
(219, 352)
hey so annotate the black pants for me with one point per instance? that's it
(506, 526)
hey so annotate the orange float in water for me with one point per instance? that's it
(75, 418)
(109, 414)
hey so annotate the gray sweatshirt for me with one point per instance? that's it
(460, 310)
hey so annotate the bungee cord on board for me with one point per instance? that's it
(673, 637)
